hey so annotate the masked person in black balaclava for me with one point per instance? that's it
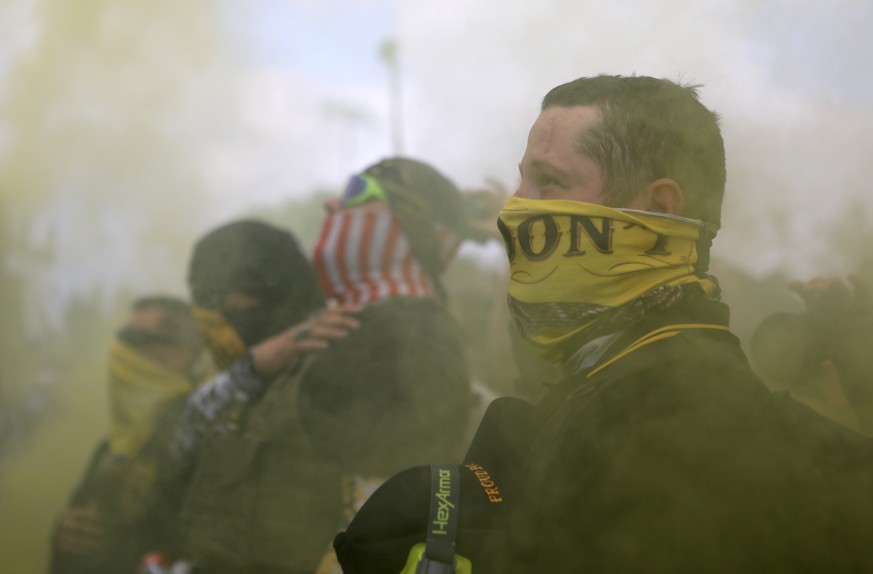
(257, 496)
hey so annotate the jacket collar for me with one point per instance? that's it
(602, 349)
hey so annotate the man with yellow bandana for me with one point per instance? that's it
(660, 451)
(154, 363)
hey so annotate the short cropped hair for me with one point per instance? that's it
(650, 128)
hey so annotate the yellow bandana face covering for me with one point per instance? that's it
(574, 265)
(225, 344)
(139, 391)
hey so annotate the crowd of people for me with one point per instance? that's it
(289, 417)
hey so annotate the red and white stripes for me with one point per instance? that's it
(363, 256)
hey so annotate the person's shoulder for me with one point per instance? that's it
(672, 352)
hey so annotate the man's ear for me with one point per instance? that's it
(664, 196)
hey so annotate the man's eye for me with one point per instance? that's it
(546, 181)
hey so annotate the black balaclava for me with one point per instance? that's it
(259, 260)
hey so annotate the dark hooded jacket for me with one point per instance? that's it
(254, 494)
(670, 455)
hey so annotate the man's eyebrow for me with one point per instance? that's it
(541, 166)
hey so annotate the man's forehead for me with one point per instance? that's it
(557, 130)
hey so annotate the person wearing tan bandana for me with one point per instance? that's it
(660, 451)
(154, 363)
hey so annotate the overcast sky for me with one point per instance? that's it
(310, 106)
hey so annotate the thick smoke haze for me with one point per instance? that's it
(128, 129)
(118, 120)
